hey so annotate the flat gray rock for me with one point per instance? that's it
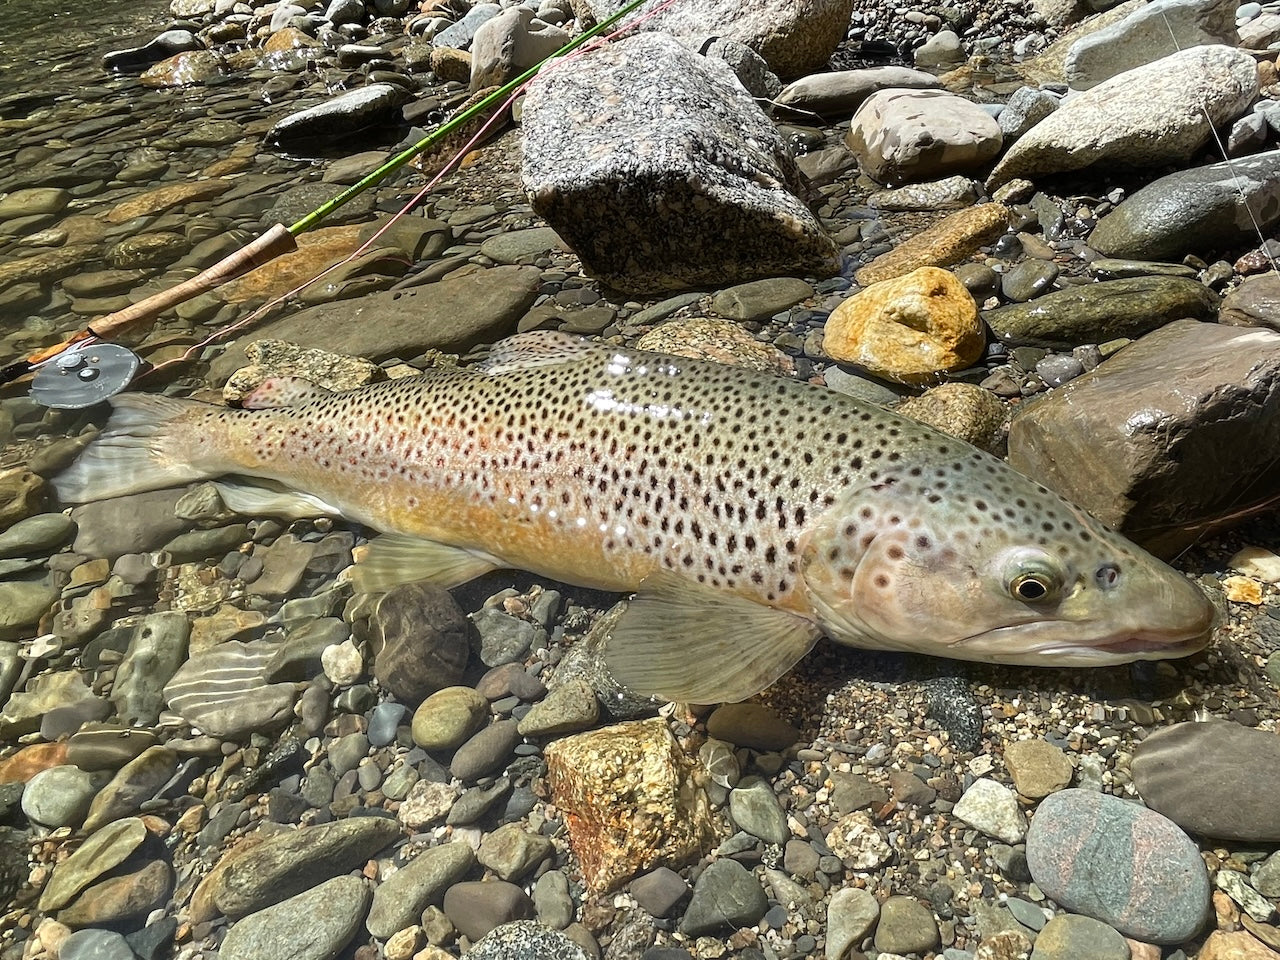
(662, 186)
(224, 691)
(794, 37)
(1201, 211)
(1216, 779)
(1177, 434)
(1154, 31)
(314, 925)
(450, 315)
(841, 92)
(1155, 114)
(399, 900)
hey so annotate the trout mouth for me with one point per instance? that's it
(1018, 644)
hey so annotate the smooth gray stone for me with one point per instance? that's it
(37, 536)
(94, 944)
(726, 895)
(156, 651)
(357, 112)
(477, 906)
(1194, 211)
(755, 809)
(459, 35)
(60, 796)
(399, 900)
(314, 925)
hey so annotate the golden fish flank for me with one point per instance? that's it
(751, 514)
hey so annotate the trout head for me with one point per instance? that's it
(971, 560)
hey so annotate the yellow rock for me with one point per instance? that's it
(290, 38)
(166, 198)
(949, 241)
(630, 799)
(1258, 563)
(908, 329)
(1243, 590)
(449, 64)
(1235, 946)
(316, 250)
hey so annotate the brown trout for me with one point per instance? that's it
(750, 514)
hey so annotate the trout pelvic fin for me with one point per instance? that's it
(394, 558)
(535, 348)
(264, 497)
(699, 645)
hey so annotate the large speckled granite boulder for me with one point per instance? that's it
(661, 172)
(795, 37)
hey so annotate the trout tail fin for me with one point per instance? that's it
(141, 448)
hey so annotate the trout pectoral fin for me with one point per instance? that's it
(393, 559)
(267, 498)
(695, 644)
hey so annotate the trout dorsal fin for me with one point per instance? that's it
(535, 348)
(282, 392)
(686, 642)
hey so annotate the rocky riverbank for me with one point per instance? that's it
(1015, 216)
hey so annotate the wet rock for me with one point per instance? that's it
(660, 891)
(526, 940)
(903, 136)
(1221, 945)
(908, 329)
(1066, 937)
(448, 717)
(725, 896)
(477, 906)
(24, 711)
(793, 38)
(857, 841)
(189, 69)
(1254, 303)
(428, 802)
(1119, 863)
(224, 691)
(851, 914)
(121, 898)
(512, 852)
(101, 853)
(1162, 112)
(460, 34)
(1038, 767)
(751, 725)
(60, 796)
(362, 112)
(501, 637)
(1165, 476)
(421, 641)
(252, 877)
(487, 752)
(160, 47)
(156, 650)
(1098, 312)
(696, 187)
(1201, 210)
(521, 246)
(509, 43)
(755, 809)
(631, 801)
(1148, 34)
(839, 93)
(95, 945)
(1190, 773)
(314, 925)
(276, 358)
(949, 241)
(760, 299)
(107, 746)
(449, 315)
(944, 194)
(568, 708)
(22, 604)
(992, 808)
(398, 901)
(22, 493)
(136, 782)
(720, 341)
(133, 524)
(961, 410)
(906, 926)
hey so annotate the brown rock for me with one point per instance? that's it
(950, 241)
(167, 198)
(290, 38)
(1255, 303)
(185, 69)
(1007, 945)
(962, 410)
(720, 341)
(27, 762)
(908, 329)
(136, 782)
(1235, 946)
(450, 64)
(121, 898)
(316, 251)
(1038, 767)
(631, 801)
(1163, 459)
(420, 641)
(47, 266)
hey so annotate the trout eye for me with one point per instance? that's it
(1030, 587)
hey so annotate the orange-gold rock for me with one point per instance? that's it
(631, 799)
